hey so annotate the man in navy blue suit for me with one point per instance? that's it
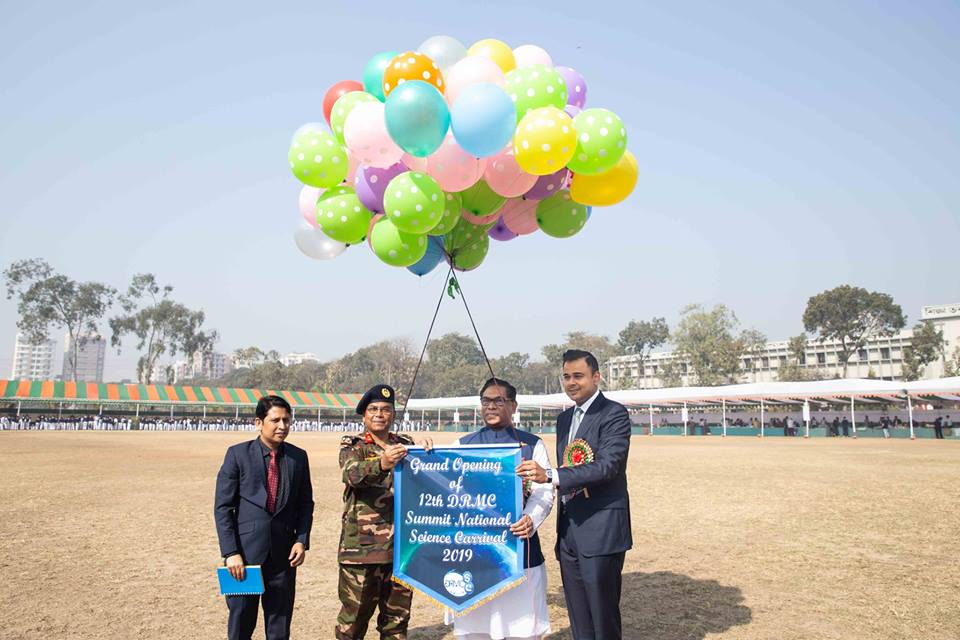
(593, 521)
(264, 510)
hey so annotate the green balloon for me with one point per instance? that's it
(316, 158)
(481, 200)
(395, 247)
(559, 216)
(453, 205)
(534, 87)
(601, 142)
(464, 234)
(414, 202)
(470, 256)
(342, 108)
(341, 216)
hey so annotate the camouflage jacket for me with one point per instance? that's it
(366, 534)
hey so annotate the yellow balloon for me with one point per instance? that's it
(499, 52)
(544, 141)
(610, 187)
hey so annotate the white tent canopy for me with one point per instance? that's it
(829, 390)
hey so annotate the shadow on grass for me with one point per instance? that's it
(669, 606)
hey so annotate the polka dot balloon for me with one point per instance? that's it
(545, 141)
(316, 158)
(411, 65)
(464, 234)
(414, 202)
(601, 141)
(453, 205)
(559, 216)
(471, 256)
(395, 247)
(342, 108)
(341, 216)
(534, 87)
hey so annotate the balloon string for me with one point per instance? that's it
(514, 433)
(423, 352)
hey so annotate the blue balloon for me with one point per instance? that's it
(434, 256)
(373, 73)
(483, 119)
(417, 117)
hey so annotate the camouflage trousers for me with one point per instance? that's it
(365, 587)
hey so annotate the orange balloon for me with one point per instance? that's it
(411, 65)
(605, 189)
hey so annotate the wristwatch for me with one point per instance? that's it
(549, 473)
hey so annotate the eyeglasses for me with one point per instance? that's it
(383, 410)
(498, 402)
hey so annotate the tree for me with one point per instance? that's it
(452, 350)
(793, 369)
(388, 361)
(47, 299)
(754, 346)
(600, 346)
(926, 346)
(709, 342)
(951, 365)
(851, 316)
(249, 356)
(640, 338)
(160, 325)
(670, 373)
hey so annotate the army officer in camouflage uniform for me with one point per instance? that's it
(366, 539)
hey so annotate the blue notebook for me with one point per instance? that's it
(252, 584)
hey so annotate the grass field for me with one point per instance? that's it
(111, 535)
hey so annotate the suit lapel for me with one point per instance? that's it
(286, 478)
(256, 459)
(590, 419)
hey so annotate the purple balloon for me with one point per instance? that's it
(576, 86)
(572, 110)
(501, 232)
(547, 185)
(371, 183)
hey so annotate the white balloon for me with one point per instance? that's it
(528, 55)
(443, 50)
(314, 244)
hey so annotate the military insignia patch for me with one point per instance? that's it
(385, 392)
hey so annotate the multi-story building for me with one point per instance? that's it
(32, 360)
(880, 357)
(206, 366)
(90, 358)
(298, 358)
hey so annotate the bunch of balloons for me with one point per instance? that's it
(439, 150)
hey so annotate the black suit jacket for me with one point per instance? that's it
(244, 525)
(599, 524)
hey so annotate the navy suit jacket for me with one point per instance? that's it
(599, 524)
(244, 525)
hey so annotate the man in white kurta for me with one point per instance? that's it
(520, 613)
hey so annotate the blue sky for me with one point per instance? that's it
(784, 148)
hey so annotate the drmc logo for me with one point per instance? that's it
(458, 585)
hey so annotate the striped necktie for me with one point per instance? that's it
(575, 424)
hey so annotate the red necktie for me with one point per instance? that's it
(273, 482)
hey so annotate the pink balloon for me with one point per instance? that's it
(530, 54)
(453, 168)
(414, 163)
(505, 176)
(352, 171)
(471, 70)
(520, 216)
(469, 217)
(308, 204)
(366, 136)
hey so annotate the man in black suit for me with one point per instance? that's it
(593, 521)
(264, 510)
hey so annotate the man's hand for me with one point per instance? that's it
(235, 567)
(391, 456)
(426, 443)
(522, 528)
(530, 470)
(297, 554)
